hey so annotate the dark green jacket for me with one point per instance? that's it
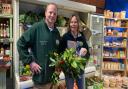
(41, 41)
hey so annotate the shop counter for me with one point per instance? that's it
(26, 84)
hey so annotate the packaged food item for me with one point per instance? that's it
(106, 82)
(112, 82)
(123, 14)
(119, 81)
(124, 81)
(116, 14)
(0, 6)
(6, 8)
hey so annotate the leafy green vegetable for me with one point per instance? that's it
(70, 63)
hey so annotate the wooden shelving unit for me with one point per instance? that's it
(6, 46)
(115, 51)
(115, 43)
(113, 70)
(116, 18)
(114, 58)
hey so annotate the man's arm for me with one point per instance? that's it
(23, 44)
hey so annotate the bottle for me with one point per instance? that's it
(7, 51)
(2, 51)
(1, 34)
(7, 29)
(7, 54)
(4, 31)
(0, 6)
(0, 30)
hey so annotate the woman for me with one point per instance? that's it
(75, 39)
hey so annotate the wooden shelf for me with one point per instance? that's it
(115, 47)
(114, 27)
(116, 18)
(7, 40)
(6, 16)
(122, 70)
(113, 58)
(4, 67)
(5, 64)
(116, 36)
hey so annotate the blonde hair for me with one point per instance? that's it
(78, 21)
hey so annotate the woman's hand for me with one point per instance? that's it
(83, 51)
(58, 70)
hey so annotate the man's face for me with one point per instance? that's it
(51, 14)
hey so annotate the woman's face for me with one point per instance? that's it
(74, 24)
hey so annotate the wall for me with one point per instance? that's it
(98, 3)
(117, 5)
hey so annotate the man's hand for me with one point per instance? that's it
(35, 68)
(83, 51)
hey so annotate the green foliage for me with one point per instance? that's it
(98, 86)
(21, 18)
(61, 21)
(26, 70)
(55, 78)
(96, 82)
(70, 63)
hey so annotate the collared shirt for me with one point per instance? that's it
(51, 29)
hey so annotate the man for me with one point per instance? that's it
(42, 38)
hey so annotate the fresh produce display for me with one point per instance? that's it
(29, 18)
(95, 82)
(25, 73)
(25, 70)
(116, 81)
